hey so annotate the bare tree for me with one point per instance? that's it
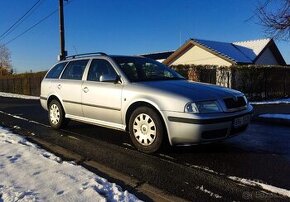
(274, 15)
(5, 60)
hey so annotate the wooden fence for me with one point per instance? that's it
(26, 84)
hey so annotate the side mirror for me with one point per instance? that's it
(110, 78)
(118, 79)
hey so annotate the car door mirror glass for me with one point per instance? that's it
(109, 78)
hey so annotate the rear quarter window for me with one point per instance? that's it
(74, 70)
(55, 72)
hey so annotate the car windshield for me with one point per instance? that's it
(138, 69)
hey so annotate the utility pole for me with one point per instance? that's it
(63, 52)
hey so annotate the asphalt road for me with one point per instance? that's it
(196, 173)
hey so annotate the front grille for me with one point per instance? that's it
(233, 103)
(214, 134)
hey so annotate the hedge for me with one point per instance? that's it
(256, 81)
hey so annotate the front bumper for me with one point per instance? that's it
(186, 129)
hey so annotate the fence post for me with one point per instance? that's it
(14, 87)
(29, 85)
(265, 80)
(285, 73)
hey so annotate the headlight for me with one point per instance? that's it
(202, 107)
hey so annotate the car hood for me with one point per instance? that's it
(194, 91)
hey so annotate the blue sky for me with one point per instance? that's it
(125, 27)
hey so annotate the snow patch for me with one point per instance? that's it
(267, 187)
(280, 101)
(201, 188)
(205, 169)
(12, 95)
(29, 173)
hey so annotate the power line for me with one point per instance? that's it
(30, 28)
(19, 21)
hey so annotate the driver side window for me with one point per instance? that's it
(102, 71)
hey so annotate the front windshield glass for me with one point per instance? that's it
(139, 69)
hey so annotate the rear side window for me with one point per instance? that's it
(55, 71)
(74, 70)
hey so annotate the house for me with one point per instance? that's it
(205, 52)
(160, 57)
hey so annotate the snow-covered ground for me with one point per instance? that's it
(266, 187)
(2, 94)
(29, 173)
(276, 116)
(278, 101)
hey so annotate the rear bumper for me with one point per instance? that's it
(184, 128)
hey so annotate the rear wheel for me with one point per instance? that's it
(56, 115)
(146, 129)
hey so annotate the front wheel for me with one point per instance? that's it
(56, 115)
(146, 129)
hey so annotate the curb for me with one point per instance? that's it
(142, 190)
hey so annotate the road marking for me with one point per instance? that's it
(71, 137)
(166, 156)
(24, 119)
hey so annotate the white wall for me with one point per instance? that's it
(199, 56)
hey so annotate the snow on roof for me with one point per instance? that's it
(225, 49)
(240, 52)
(252, 48)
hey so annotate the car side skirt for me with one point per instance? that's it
(97, 122)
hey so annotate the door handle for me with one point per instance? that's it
(59, 86)
(86, 89)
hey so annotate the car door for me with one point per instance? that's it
(101, 94)
(69, 87)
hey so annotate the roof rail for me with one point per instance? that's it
(85, 55)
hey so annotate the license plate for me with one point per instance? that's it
(244, 120)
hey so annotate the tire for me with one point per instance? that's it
(146, 129)
(56, 115)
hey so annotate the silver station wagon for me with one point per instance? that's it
(143, 97)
